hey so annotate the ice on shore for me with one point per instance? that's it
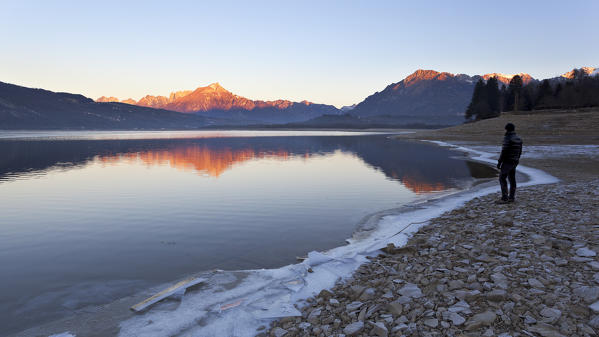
(548, 151)
(237, 303)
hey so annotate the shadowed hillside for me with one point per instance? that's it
(27, 108)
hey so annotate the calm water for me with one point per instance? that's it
(91, 217)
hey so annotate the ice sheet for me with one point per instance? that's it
(236, 303)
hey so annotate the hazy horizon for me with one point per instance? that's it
(334, 53)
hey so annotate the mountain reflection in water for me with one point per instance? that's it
(420, 167)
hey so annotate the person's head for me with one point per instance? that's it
(509, 127)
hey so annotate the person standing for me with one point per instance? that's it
(508, 160)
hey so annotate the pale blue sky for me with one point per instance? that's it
(335, 52)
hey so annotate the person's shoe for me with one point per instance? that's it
(510, 200)
(501, 201)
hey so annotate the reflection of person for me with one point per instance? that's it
(508, 160)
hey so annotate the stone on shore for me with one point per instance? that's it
(585, 252)
(456, 319)
(545, 330)
(496, 295)
(354, 328)
(410, 290)
(431, 322)
(278, 332)
(379, 329)
(480, 320)
(395, 308)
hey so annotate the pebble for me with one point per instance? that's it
(496, 295)
(551, 313)
(431, 322)
(354, 328)
(545, 330)
(533, 282)
(585, 252)
(379, 329)
(461, 306)
(354, 306)
(395, 308)
(278, 332)
(588, 294)
(410, 290)
(456, 319)
(480, 320)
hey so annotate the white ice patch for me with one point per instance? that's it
(236, 303)
(64, 334)
(548, 151)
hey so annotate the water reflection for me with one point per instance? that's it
(421, 168)
(202, 159)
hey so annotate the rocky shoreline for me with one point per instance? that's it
(524, 269)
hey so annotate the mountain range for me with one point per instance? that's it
(430, 97)
(215, 101)
(426, 98)
(27, 108)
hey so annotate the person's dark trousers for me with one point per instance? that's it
(508, 171)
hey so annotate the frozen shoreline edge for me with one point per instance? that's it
(260, 296)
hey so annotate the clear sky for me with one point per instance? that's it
(335, 52)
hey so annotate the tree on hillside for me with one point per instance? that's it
(558, 90)
(502, 95)
(486, 100)
(514, 92)
(493, 96)
(544, 97)
(568, 96)
(529, 93)
(589, 91)
(477, 96)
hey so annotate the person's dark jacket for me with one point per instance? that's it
(511, 149)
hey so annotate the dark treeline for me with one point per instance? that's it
(488, 100)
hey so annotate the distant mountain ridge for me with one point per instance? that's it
(589, 71)
(215, 101)
(27, 108)
(426, 98)
(435, 98)
(505, 78)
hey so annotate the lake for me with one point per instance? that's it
(89, 217)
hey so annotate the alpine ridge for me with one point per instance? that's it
(215, 101)
(428, 97)
(423, 97)
(29, 109)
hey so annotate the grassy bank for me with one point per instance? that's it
(537, 127)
